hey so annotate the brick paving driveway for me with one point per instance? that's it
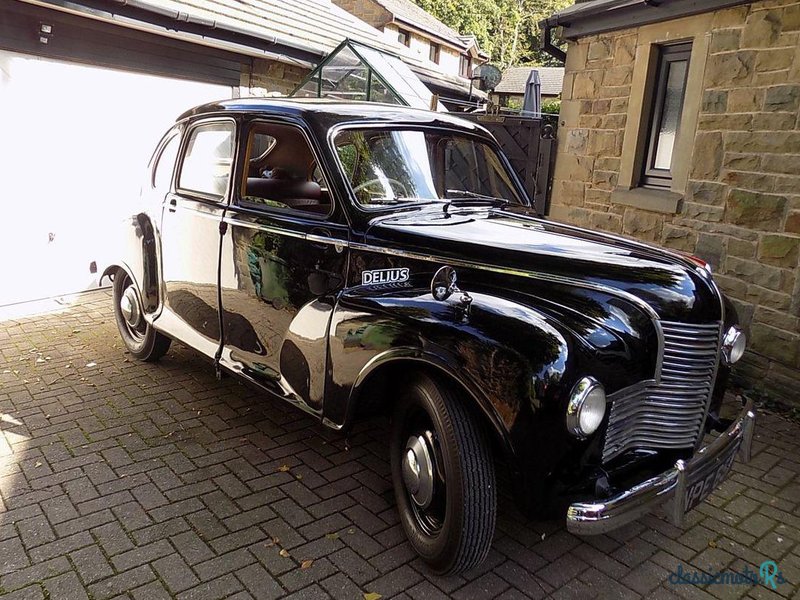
(128, 480)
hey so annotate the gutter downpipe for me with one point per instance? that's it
(547, 26)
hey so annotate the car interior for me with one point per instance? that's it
(282, 171)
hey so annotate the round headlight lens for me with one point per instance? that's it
(586, 407)
(733, 345)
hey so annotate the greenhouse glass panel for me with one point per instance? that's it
(352, 69)
(344, 76)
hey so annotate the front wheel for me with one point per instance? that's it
(443, 475)
(141, 340)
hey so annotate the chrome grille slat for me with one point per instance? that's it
(668, 413)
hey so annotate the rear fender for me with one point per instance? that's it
(138, 256)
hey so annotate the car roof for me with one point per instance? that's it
(332, 112)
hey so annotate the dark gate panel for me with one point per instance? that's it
(529, 145)
(93, 42)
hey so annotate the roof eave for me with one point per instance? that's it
(601, 16)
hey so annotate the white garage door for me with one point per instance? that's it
(74, 142)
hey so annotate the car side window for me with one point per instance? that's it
(207, 161)
(281, 172)
(165, 164)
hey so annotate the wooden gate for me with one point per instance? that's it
(529, 144)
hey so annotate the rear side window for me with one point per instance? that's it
(165, 165)
(207, 163)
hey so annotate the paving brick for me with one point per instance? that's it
(113, 538)
(226, 563)
(34, 573)
(12, 556)
(175, 573)
(261, 585)
(66, 586)
(91, 564)
(221, 587)
(33, 592)
(121, 583)
(35, 531)
(191, 547)
(154, 590)
(61, 546)
(141, 555)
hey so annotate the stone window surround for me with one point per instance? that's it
(697, 30)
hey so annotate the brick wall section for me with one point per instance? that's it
(270, 76)
(741, 208)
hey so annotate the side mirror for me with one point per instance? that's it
(443, 284)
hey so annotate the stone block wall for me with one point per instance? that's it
(740, 207)
(267, 77)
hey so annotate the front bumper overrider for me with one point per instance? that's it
(690, 478)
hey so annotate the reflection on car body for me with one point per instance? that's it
(356, 258)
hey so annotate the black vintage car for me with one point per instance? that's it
(358, 258)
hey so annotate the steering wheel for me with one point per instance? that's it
(392, 183)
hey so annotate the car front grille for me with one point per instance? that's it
(670, 413)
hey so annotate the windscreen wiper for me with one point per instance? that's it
(468, 198)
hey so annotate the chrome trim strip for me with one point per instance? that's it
(599, 287)
(311, 237)
(591, 518)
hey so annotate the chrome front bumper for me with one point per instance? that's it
(683, 486)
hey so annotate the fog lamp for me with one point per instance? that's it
(586, 407)
(733, 345)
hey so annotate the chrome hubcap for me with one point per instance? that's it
(129, 306)
(418, 470)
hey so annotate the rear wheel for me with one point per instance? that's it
(443, 477)
(141, 340)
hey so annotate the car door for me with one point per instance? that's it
(190, 237)
(283, 264)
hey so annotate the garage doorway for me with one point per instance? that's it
(74, 143)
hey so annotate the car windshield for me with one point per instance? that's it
(406, 166)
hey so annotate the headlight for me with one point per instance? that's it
(733, 345)
(586, 407)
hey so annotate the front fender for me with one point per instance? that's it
(507, 356)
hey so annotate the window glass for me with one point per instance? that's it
(433, 53)
(207, 162)
(404, 166)
(669, 88)
(673, 104)
(282, 172)
(404, 37)
(165, 165)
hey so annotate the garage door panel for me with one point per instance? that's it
(75, 144)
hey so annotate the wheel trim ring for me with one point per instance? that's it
(417, 471)
(429, 520)
(136, 331)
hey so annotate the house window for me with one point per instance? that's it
(665, 116)
(433, 53)
(404, 37)
(466, 66)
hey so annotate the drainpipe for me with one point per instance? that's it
(547, 26)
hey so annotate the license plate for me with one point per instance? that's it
(700, 485)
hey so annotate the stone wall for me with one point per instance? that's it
(269, 77)
(738, 201)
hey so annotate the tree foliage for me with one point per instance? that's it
(508, 30)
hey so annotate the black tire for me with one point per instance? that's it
(141, 340)
(454, 532)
